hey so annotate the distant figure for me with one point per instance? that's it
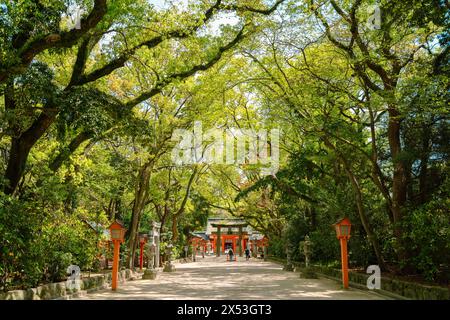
(247, 254)
(231, 254)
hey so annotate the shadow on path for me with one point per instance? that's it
(214, 278)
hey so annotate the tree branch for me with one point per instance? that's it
(54, 40)
(159, 85)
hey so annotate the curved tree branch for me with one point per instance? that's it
(65, 39)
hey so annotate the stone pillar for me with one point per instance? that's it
(155, 240)
(306, 250)
(186, 249)
(151, 256)
(157, 252)
(307, 272)
(288, 266)
(150, 272)
(194, 251)
(218, 241)
(240, 241)
(169, 267)
(152, 251)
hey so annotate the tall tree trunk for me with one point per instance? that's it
(313, 214)
(377, 175)
(180, 210)
(140, 199)
(399, 181)
(360, 205)
(111, 212)
(365, 221)
(174, 228)
(21, 146)
(424, 156)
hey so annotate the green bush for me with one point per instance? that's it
(37, 244)
(276, 248)
(429, 237)
(325, 246)
(20, 253)
(57, 265)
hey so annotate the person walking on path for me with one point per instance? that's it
(231, 254)
(247, 254)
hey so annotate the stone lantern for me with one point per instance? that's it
(169, 267)
(288, 266)
(306, 250)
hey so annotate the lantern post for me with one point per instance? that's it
(142, 240)
(342, 228)
(117, 232)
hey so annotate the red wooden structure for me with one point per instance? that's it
(343, 228)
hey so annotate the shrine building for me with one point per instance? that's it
(222, 234)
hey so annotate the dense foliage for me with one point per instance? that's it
(88, 112)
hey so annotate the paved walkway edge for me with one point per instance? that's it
(382, 293)
(60, 291)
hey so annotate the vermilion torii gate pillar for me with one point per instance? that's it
(220, 237)
(240, 241)
(218, 241)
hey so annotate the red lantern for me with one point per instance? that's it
(343, 228)
(117, 231)
(142, 240)
(143, 237)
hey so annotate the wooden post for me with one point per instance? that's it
(141, 256)
(115, 268)
(222, 241)
(344, 261)
(218, 241)
(240, 241)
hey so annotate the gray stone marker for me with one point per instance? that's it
(288, 266)
(169, 267)
(152, 252)
(155, 239)
(306, 250)
(307, 272)
(150, 272)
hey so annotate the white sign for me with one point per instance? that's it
(231, 146)
(374, 281)
(374, 20)
(74, 280)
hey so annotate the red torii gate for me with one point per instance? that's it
(258, 244)
(198, 242)
(237, 240)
